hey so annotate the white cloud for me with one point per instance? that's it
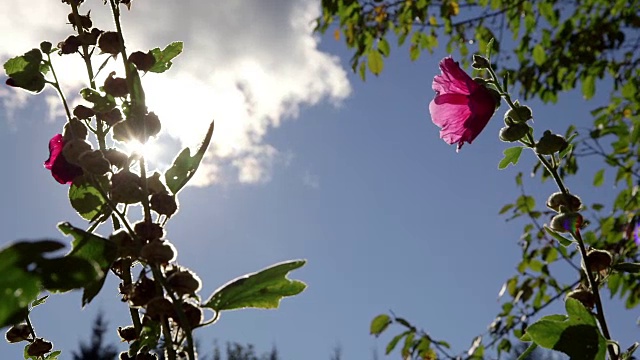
(247, 64)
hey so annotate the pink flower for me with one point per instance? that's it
(63, 171)
(462, 107)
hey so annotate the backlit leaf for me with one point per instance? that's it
(185, 165)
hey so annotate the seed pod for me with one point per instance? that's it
(550, 143)
(584, 296)
(90, 38)
(158, 252)
(39, 347)
(110, 117)
(74, 129)
(73, 149)
(116, 86)
(116, 158)
(164, 204)
(124, 244)
(17, 333)
(109, 43)
(599, 260)
(127, 334)
(520, 115)
(569, 202)
(184, 282)
(140, 293)
(69, 46)
(94, 162)
(193, 315)
(126, 187)
(142, 61)
(152, 124)
(155, 185)
(480, 62)
(566, 222)
(513, 132)
(159, 306)
(82, 112)
(148, 231)
(84, 21)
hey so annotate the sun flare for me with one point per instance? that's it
(150, 150)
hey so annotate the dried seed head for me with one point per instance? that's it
(109, 43)
(74, 129)
(184, 282)
(550, 143)
(116, 86)
(143, 61)
(39, 347)
(569, 202)
(17, 333)
(148, 231)
(164, 204)
(599, 260)
(94, 162)
(127, 334)
(584, 296)
(82, 112)
(566, 222)
(158, 252)
(73, 149)
(159, 307)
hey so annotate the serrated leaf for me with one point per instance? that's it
(263, 289)
(164, 57)
(561, 239)
(93, 248)
(185, 166)
(511, 156)
(375, 62)
(379, 324)
(25, 71)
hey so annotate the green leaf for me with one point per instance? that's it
(164, 57)
(560, 333)
(40, 301)
(54, 355)
(528, 351)
(67, 273)
(95, 249)
(85, 198)
(262, 289)
(511, 156)
(633, 268)
(561, 239)
(375, 61)
(185, 165)
(392, 344)
(100, 103)
(383, 47)
(588, 86)
(505, 208)
(25, 71)
(379, 324)
(539, 55)
(598, 179)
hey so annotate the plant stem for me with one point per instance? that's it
(57, 86)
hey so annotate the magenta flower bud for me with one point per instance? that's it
(462, 107)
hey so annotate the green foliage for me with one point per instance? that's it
(185, 166)
(27, 71)
(101, 103)
(379, 324)
(559, 332)
(85, 198)
(163, 57)
(511, 156)
(262, 289)
(93, 249)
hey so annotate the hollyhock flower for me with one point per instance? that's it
(462, 107)
(63, 171)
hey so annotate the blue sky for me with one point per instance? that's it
(351, 176)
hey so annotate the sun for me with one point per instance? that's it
(150, 150)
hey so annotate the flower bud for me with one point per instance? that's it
(126, 188)
(90, 38)
(513, 132)
(521, 114)
(193, 315)
(73, 149)
(584, 296)
(158, 252)
(39, 347)
(74, 129)
(142, 61)
(159, 307)
(69, 46)
(164, 204)
(116, 158)
(152, 124)
(155, 185)
(116, 86)
(17, 333)
(94, 162)
(148, 231)
(184, 282)
(83, 113)
(568, 202)
(599, 260)
(566, 222)
(45, 47)
(109, 43)
(84, 21)
(128, 333)
(480, 62)
(550, 143)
